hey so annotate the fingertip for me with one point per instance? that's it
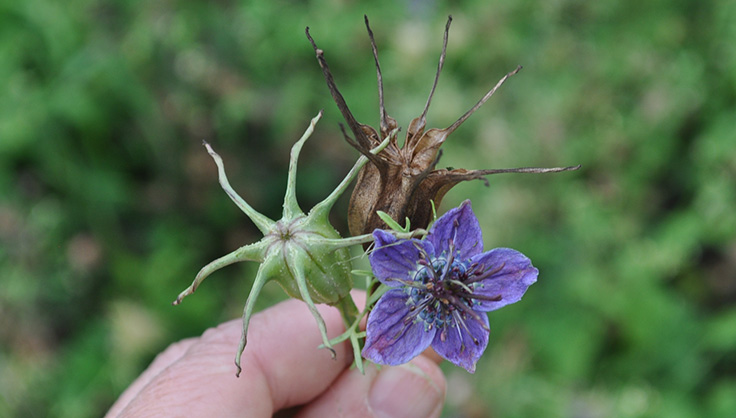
(282, 367)
(432, 355)
(415, 389)
(163, 360)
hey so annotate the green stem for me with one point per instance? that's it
(322, 209)
(362, 239)
(351, 316)
(348, 310)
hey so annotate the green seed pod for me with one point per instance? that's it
(302, 252)
(298, 249)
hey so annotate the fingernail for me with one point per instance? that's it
(404, 391)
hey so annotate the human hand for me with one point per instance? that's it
(282, 371)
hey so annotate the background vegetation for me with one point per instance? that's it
(109, 205)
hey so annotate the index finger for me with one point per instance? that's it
(282, 367)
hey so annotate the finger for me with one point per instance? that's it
(281, 367)
(415, 389)
(431, 354)
(173, 353)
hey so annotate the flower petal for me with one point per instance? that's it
(389, 339)
(395, 259)
(459, 347)
(510, 282)
(460, 225)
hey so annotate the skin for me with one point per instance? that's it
(283, 374)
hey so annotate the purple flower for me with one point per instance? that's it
(440, 288)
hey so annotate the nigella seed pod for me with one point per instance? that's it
(302, 252)
(403, 181)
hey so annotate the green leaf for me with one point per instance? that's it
(392, 223)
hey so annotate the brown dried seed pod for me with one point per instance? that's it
(403, 181)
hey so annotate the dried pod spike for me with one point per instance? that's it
(417, 125)
(365, 136)
(388, 124)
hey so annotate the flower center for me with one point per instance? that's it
(439, 294)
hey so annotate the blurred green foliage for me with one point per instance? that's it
(109, 205)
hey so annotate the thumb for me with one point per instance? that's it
(416, 389)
